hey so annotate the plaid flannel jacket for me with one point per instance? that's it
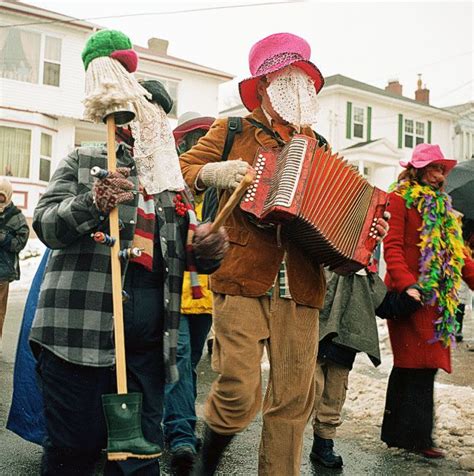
(74, 315)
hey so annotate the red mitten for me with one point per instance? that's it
(112, 190)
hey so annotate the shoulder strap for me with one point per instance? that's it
(267, 130)
(321, 140)
(234, 126)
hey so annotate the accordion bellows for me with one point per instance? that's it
(323, 204)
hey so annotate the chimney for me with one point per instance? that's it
(158, 46)
(394, 87)
(422, 94)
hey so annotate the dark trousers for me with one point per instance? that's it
(408, 417)
(180, 418)
(75, 424)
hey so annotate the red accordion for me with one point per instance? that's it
(323, 203)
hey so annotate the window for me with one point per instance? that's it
(408, 133)
(170, 85)
(20, 55)
(358, 122)
(52, 58)
(15, 151)
(420, 133)
(45, 157)
(30, 57)
(414, 133)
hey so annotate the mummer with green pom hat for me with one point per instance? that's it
(98, 392)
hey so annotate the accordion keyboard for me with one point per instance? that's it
(287, 174)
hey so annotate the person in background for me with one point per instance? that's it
(14, 232)
(347, 325)
(179, 418)
(426, 258)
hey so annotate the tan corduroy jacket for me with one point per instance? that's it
(253, 260)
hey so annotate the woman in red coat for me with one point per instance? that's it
(426, 258)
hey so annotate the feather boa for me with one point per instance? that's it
(442, 254)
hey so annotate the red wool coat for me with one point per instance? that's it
(409, 337)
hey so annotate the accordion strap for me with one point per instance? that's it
(321, 140)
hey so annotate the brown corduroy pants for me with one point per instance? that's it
(331, 383)
(4, 286)
(243, 327)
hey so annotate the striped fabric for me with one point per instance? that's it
(145, 230)
(282, 282)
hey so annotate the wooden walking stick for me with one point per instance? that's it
(119, 337)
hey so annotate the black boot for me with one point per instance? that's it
(323, 452)
(213, 446)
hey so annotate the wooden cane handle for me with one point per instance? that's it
(120, 363)
(233, 201)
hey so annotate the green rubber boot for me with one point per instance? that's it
(123, 413)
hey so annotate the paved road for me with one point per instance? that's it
(20, 458)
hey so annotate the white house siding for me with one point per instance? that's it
(58, 110)
(196, 91)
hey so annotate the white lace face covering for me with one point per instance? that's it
(155, 153)
(293, 97)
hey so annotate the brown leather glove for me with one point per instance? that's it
(210, 245)
(112, 190)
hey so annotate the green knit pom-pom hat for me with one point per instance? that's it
(104, 43)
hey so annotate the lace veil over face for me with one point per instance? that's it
(155, 153)
(293, 96)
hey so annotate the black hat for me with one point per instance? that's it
(158, 94)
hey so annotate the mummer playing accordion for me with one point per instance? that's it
(322, 203)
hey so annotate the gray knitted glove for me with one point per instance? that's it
(223, 175)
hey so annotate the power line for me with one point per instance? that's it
(129, 15)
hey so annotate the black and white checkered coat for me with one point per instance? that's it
(74, 315)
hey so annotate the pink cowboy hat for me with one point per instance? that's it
(190, 121)
(425, 154)
(271, 54)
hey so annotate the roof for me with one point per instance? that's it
(339, 79)
(360, 144)
(180, 63)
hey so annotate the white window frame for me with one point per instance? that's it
(42, 58)
(45, 157)
(32, 145)
(416, 137)
(363, 123)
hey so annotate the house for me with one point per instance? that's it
(42, 87)
(374, 128)
(463, 130)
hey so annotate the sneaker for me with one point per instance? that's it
(323, 453)
(182, 461)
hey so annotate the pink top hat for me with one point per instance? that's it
(425, 154)
(271, 54)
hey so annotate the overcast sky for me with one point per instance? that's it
(367, 41)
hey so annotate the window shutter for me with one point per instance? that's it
(369, 123)
(428, 138)
(400, 131)
(349, 121)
